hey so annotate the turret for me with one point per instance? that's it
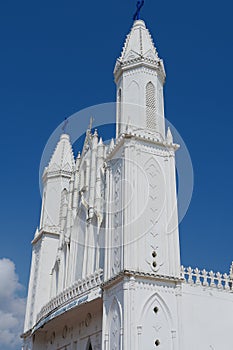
(45, 244)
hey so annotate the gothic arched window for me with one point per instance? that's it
(89, 347)
(150, 106)
(119, 99)
(119, 107)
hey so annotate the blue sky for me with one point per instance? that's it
(57, 58)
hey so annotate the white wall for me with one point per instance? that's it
(206, 315)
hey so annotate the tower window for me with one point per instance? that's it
(150, 106)
(119, 106)
(119, 100)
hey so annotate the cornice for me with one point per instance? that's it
(132, 65)
(46, 231)
(137, 274)
(59, 173)
(172, 147)
(26, 334)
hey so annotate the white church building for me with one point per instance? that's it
(106, 271)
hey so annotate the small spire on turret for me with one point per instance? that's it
(111, 145)
(90, 123)
(231, 271)
(78, 159)
(169, 137)
(95, 139)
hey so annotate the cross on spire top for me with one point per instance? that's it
(140, 3)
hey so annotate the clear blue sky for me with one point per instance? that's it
(57, 57)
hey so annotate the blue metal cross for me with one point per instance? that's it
(140, 3)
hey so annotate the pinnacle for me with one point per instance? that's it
(139, 43)
(62, 158)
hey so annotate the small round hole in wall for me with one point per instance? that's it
(157, 342)
(154, 264)
(156, 309)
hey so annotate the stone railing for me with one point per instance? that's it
(207, 279)
(77, 289)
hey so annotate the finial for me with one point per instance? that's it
(231, 271)
(65, 125)
(91, 123)
(78, 160)
(111, 145)
(169, 136)
(140, 3)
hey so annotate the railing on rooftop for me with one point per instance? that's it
(79, 288)
(207, 279)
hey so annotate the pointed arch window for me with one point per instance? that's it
(150, 106)
(119, 105)
(89, 346)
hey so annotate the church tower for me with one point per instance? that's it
(56, 179)
(142, 268)
(144, 162)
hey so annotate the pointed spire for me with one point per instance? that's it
(78, 159)
(36, 233)
(111, 145)
(169, 137)
(62, 158)
(139, 47)
(139, 43)
(231, 271)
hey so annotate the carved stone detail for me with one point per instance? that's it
(114, 334)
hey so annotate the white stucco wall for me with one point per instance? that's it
(206, 315)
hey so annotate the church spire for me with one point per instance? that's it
(140, 75)
(56, 178)
(139, 49)
(62, 158)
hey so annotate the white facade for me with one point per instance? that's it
(106, 271)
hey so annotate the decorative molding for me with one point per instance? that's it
(138, 274)
(47, 230)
